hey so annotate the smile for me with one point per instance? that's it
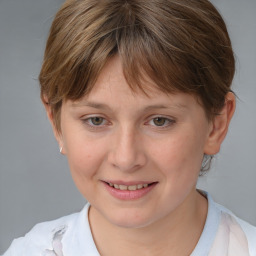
(128, 191)
(130, 188)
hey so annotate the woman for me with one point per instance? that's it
(138, 95)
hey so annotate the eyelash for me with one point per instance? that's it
(88, 122)
(167, 122)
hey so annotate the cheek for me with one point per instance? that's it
(85, 160)
(85, 155)
(180, 154)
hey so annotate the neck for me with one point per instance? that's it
(175, 234)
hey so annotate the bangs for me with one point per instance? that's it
(145, 64)
(125, 30)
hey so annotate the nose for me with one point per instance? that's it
(127, 152)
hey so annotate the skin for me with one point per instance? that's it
(128, 145)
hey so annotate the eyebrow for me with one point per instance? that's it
(103, 106)
(160, 106)
(91, 104)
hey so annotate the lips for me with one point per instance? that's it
(130, 187)
(129, 190)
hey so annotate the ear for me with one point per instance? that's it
(219, 126)
(56, 132)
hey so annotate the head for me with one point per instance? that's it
(125, 55)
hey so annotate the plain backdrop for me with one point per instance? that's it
(35, 184)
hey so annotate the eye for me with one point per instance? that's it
(96, 120)
(161, 122)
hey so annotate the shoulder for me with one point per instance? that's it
(224, 233)
(44, 238)
(239, 229)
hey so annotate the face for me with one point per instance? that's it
(135, 158)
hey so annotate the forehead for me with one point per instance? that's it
(111, 91)
(112, 81)
(112, 77)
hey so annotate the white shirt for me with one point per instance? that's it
(223, 235)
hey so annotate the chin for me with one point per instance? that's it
(130, 219)
(131, 224)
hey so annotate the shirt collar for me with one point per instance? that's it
(78, 239)
(208, 235)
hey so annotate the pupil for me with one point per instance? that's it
(97, 120)
(159, 121)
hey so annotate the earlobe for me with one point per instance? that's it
(220, 124)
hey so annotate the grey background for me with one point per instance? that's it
(35, 184)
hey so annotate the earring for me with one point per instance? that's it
(61, 149)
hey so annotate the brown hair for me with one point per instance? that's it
(181, 45)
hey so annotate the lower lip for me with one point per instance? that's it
(129, 194)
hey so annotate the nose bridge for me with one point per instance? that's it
(127, 152)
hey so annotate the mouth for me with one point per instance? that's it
(130, 187)
(129, 190)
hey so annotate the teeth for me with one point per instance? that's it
(131, 187)
(134, 187)
(122, 187)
